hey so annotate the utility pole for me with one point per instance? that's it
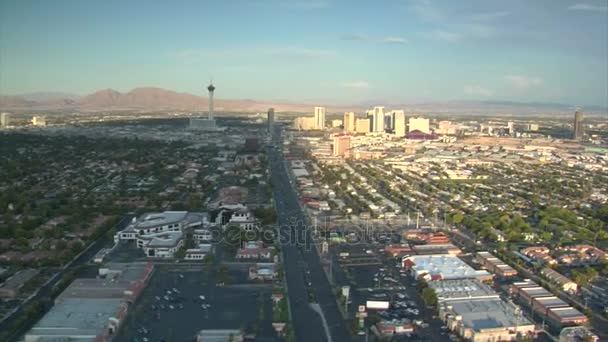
(331, 269)
(346, 305)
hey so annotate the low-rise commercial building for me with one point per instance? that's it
(542, 304)
(199, 253)
(482, 320)
(93, 309)
(447, 248)
(202, 235)
(442, 266)
(495, 265)
(529, 293)
(394, 327)
(555, 310)
(567, 316)
(462, 289)
(160, 235)
(253, 250)
(397, 249)
(477, 313)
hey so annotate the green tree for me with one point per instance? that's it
(429, 296)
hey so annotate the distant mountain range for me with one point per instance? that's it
(157, 99)
(142, 99)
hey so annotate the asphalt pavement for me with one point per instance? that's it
(302, 264)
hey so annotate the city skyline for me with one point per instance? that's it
(417, 51)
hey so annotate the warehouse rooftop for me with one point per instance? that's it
(456, 289)
(484, 314)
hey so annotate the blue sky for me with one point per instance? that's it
(334, 51)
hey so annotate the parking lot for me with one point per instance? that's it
(180, 301)
(385, 282)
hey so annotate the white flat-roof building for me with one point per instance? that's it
(202, 235)
(199, 253)
(442, 266)
(160, 235)
(462, 289)
(476, 312)
(161, 245)
(482, 320)
(245, 220)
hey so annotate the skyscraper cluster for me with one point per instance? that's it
(377, 120)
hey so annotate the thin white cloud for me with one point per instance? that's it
(446, 36)
(298, 52)
(455, 24)
(425, 10)
(481, 30)
(523, 82)
(394, 40)
(587, 7)
(355, 37)
(488, 16)
(288, 53)
(477, 91)
(305, 4)
(356, 85)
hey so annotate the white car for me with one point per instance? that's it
(201, 297)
